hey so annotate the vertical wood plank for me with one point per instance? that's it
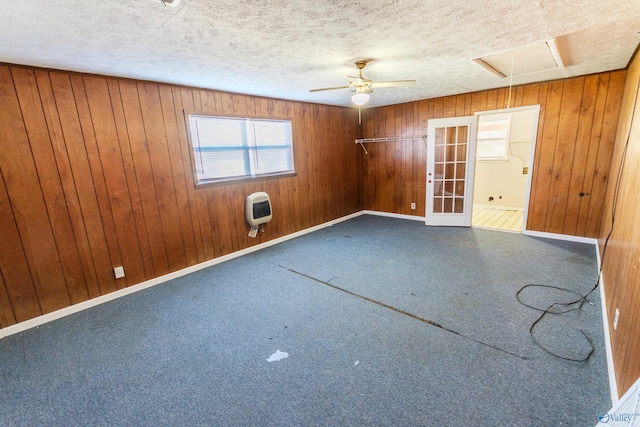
(410, 156)
(531, 94)
(54, 170)
(99, 185)
(132, 179)
(460, 105)
(605, 150)
(7, 317)
(577, 193)
(389, 166)
(478, 102)
(303, 162)
(180, 157)
(162, 172)
(564, 149)
(25, 191)
(197, 196)
(532, 220)
(149, 224)
(110, 156)
(399, 203)
(450, 106)
(546, 144)
(88, 224)
(290, 186)
(16, 276)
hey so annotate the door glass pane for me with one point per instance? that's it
(440, 136)
(462, 153)
(450, 171)
(452, 136)
(451, 153)
(437, 205)
(448, 188)
(450, 157)
(463, 134)
(448, 206)
(459, 206)
(437, 187)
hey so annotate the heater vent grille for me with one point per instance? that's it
(258, 209)
(261, 209)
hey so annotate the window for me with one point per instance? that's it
(493, 137)
(234, 148)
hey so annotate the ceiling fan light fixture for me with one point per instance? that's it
(360, 98)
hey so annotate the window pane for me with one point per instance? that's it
(493, 138)
(217, 132)
(269, 133)
(269, 161)
(231, 148)
(220, 164)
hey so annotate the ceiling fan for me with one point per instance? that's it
(364, 86)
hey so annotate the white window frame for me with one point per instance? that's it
(505, 141)
(249, 149)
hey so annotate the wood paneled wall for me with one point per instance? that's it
(621, 219)
(576, 133)
(95, 173)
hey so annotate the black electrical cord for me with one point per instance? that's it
(579, 303)
(565, 308)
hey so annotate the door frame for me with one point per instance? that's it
(451, 219)
(532, 152)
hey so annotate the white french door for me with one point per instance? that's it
(450, 166)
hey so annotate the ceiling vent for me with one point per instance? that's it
(523, 60)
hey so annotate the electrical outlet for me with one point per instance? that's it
(118, 272)
(615, 319)
(413, 206)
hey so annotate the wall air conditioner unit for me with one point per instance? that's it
(258, 211)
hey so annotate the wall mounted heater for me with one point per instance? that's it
(258, 211)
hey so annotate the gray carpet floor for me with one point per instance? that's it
(386, 322)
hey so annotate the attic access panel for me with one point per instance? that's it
(526, 60)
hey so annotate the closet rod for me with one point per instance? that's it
(363, 141)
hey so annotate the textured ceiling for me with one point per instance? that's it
(283, 48)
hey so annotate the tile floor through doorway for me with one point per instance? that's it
(502, 219)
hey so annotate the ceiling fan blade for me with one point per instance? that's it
(329, 88)
(396, 83)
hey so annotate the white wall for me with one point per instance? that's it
(503, 179)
